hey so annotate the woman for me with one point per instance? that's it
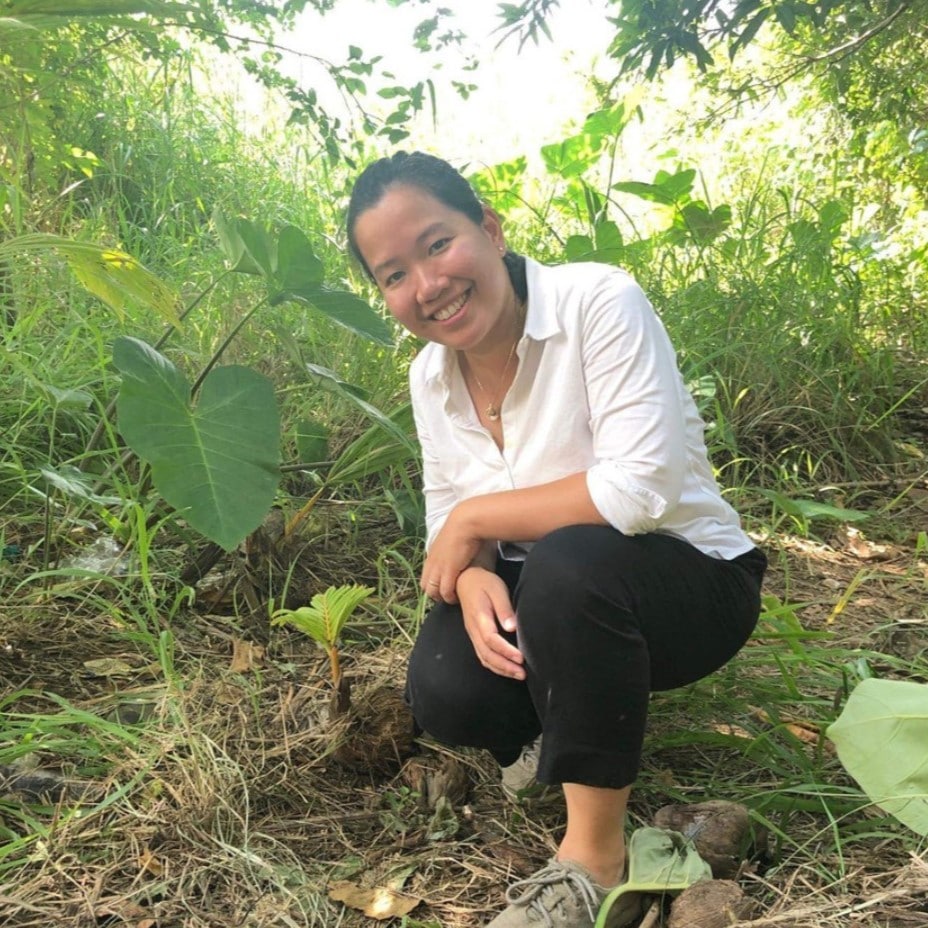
(579, 551)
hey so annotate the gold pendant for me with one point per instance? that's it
(492, 413)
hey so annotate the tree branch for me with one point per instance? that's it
(864, 37)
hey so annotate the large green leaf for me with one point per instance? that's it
(292, 271)
(659, 861)
(882, 740)
(218, 464)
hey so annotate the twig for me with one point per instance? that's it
(652, 915)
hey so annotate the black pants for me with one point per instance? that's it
(604, 619)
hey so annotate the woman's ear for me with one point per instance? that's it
(493, 226)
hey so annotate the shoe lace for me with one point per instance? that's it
(531, 753)
(536, 891)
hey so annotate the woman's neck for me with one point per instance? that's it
(490, 359)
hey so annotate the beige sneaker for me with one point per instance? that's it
(563, 895)
(519, 779)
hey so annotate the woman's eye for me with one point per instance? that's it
(393, 278)
(438, 245)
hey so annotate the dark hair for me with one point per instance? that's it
(437, 178)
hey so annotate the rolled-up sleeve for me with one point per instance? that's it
(637, 416)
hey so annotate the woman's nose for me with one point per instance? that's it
(429, 283)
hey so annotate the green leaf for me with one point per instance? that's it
(113, 276)
(659, 861)
(809, 509)
(258, 246)
(669, 189)
(400, 432)
(387, 443)
(579, 248)
(232, 244)
(342, 307)
(312, 441)
(297, 264)
(881, 738)
(76, 484)
(325, 617)
(65, 399)
(218, 463)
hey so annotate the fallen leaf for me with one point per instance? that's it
(806, 732)
(108, 667)
(736, 731)
(149, 863)
(379, 902)
(865, 550)
(246, 655)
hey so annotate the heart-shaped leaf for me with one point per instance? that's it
(881, 738)
(217, 463)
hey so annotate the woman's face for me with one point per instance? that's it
(441, 275)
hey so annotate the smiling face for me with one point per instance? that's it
(441, 274)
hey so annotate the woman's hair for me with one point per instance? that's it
(435, 177)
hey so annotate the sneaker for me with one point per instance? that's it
(563, 895)
(519, 779)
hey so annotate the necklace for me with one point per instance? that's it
(492, 410)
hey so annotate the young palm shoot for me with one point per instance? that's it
(324, 619)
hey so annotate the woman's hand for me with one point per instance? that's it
(454, 549)
(486, 606)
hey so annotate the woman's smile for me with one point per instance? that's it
(451, 310)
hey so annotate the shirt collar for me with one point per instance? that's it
(541, 323)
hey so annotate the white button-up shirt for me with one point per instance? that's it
(597, 390)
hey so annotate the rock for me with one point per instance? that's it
(710, 904)
(720, 830)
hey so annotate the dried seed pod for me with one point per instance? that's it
(720, 830)
(710, 904)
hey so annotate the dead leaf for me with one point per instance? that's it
(108, 667)
(865, 550)
(735, 731)
(149, 863)
(379, 902)
(806, 732)
(246, 655)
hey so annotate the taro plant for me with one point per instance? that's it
(218, 462)
(324, 618)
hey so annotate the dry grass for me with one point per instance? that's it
(228, 808)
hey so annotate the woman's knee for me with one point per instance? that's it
(452, 696)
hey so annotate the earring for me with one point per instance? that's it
(502, 249)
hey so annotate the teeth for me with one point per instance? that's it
(451, 309)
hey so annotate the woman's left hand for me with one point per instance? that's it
(454, 549)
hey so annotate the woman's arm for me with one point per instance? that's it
(526, 514)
